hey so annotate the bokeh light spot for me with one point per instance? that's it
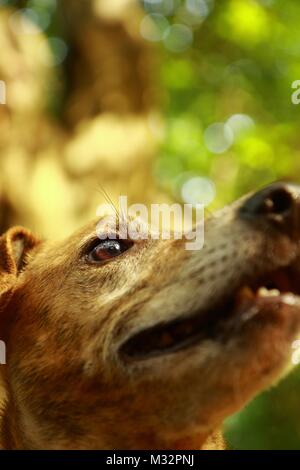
(198, 190)
(178, 38)
(153, 27)
(197, 8)
(27, 21)
(59, 51)
(218, 137)
(240, 124)
(163, 7)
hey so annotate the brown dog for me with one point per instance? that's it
(152, 348)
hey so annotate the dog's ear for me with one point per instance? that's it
(15, 244)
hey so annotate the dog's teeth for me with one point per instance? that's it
(264, 292)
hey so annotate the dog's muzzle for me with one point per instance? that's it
(274, 286)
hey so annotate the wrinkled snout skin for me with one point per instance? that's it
(69, 386)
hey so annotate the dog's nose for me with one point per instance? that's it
(277, 205)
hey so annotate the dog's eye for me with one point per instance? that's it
(107, 249)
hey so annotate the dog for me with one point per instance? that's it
(142, 344)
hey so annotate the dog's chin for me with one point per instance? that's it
(273, 300)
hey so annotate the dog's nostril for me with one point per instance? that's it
(279, 201)
(279, 205)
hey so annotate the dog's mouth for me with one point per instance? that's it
(179, 334)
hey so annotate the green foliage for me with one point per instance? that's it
(243, 60)
(269, 422)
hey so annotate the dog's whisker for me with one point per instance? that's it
(108, 199)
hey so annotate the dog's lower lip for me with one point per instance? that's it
(180, 334)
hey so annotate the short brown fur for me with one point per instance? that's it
(63, 321)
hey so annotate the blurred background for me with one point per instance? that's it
(162, 100)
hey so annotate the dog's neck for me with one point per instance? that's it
(26, 432)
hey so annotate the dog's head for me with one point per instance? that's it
(126, 344)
